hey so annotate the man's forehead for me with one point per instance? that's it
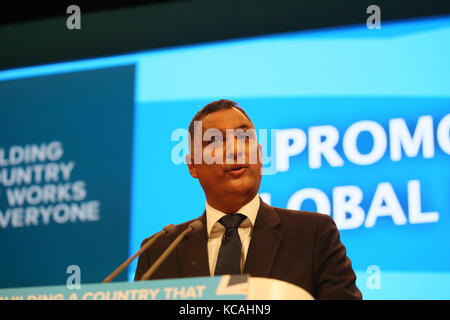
(226, 119)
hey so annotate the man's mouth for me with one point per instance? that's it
(236, 167)
(236, 170)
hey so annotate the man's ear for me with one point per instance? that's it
(191, 166)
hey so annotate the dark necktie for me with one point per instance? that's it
(229, 259)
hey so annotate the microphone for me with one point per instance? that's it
(167, 230)
(193, 227)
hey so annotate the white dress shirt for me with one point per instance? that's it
(216, 230)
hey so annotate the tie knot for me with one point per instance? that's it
(232, 221)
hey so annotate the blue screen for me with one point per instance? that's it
(354, 123)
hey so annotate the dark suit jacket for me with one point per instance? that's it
(299, 247)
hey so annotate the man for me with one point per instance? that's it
(242, 234)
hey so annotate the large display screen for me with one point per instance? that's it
(354, 123)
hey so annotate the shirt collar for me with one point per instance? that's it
(250, 210)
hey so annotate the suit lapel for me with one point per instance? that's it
(193, 253)
(264, 243)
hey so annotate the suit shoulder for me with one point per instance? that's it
(288, 214)
(305, 221)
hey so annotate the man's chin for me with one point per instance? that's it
(241, 186)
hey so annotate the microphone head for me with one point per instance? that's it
(196, 225)
(169, 229)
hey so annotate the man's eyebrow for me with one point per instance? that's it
(244, 126)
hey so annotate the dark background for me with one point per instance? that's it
(33, 33)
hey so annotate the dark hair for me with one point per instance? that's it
(213, 107)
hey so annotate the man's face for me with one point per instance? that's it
(239, 171)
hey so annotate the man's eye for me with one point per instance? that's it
(215, 140)
(243, 135)
(251, 133)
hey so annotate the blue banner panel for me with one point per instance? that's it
(227, 287)
(65, 164)
(353, 123)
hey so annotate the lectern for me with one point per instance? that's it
(227, 287)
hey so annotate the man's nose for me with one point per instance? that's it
(235, 149)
